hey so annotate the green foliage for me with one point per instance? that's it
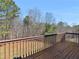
(4, 7)
(1, 1)
(4, 32)
(61, 23)
(9, 5)
(76, 27)
(49, 28)
(4, 27)
(26, 20)
(1, 15)
(10, 8)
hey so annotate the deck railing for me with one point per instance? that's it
(72, 37)
(22, 48)
(34, 47)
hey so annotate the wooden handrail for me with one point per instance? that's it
(27, 46)
(18, 39)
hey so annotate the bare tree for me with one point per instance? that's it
(33, 22)
(49, 23)
(63, 27)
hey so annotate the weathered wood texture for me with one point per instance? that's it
(64, 50)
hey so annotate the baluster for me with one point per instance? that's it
(9, 50)
(24, 48)
(32, 46)
(4, 50)
(35, 46)
(20, 48)
(27, 47)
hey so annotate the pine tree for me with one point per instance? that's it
(8, 11)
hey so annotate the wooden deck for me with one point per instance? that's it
(64, 50)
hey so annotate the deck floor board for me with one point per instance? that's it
(61, 50)
(65, 50)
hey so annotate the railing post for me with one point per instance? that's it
(78, 40)
(63, 37)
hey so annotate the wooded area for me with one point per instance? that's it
(34, 23)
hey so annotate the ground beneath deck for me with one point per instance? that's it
(64, 50)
